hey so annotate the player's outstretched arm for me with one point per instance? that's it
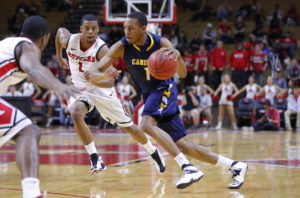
(29, 56)
(165, 43)
(61, 41)
(96, 75)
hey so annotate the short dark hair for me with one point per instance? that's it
(89, 17)
(141, 17)
(35, 27)
(268, 103)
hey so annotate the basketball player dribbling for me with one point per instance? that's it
(20, 58)
(161, 112)
(84, 50)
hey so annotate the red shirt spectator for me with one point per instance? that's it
(202, 58)
(189, 60)
(224, 27)
(288, 40)
(274, 115)
(258, 61)
(239, 60)
(218, 58)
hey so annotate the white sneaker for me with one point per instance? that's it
(158, 161)
(235, 128)
(97, 164)
(218, 127)
(239, 170)
(190, 175)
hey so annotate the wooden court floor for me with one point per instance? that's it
(274, 167)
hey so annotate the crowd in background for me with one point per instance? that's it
(262, 65)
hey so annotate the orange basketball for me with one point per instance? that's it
(162, 66)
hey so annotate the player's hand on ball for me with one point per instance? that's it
(171, 51)
(63, 63)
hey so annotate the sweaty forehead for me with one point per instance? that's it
(89, 23)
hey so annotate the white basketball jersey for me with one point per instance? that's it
(270, 92)
(80, 61)
(9, 70)
(251, 90)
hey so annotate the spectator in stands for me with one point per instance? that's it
(278, 80)
(204, 107)
(53, 69)
(270, 121)
(292, 109)
(182, 42)
(11, 22)
(277, 12)
(190, 103)
(173, 38)
(189, 60)
(251, 89)
(240, 27)
(201, 62)
(196, 42)
(283, 52)
(127, 93)
(293, 72)
(250, 44)
(33, 8)
(204, 12)
(258, 64)
(291, 43)
(274, 28)
(12, 91)
(22, 5)
(225, 32)
(28, 88)
(201, 85)
(291, 16)
(210, 36)
(52, 99)
(270, 90)
(20, 18)
(244, 10)
(255, 7)
(224, 10)
(239, 63)
(226, 88)
(218, 61)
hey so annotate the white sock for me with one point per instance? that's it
(181, 159)
(224, 161)
(91, 148)
(220, 124)
(234, 124)
(31, 187)
(149, 147)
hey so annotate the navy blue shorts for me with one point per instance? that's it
(161, 104)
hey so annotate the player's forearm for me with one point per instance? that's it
(181, 68)
(44, 78)
(58, 46)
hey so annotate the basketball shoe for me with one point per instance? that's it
(158, 161)
(239, 170)
(190, 175)
(97, 164)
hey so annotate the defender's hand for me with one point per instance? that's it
(63, 63)
(64, 92)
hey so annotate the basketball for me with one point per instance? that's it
(162, 66)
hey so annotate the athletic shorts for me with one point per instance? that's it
(161, 104)
(12, 121)
(107, 101)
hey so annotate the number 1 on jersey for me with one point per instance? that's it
(147, 73)
(80, 66)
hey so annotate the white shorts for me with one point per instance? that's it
(12, 121)
(107, 102)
